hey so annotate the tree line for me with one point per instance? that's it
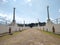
(33, 24)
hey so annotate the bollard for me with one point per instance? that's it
(53, 29)
(10, 31)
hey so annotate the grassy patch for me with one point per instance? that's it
(52, 34)
(7, 36)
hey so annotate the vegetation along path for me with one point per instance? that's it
(31, 37)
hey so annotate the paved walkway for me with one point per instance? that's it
(31, 37)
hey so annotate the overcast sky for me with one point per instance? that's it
(29, 10)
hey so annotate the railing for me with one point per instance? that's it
(56, 21)
(4, 21)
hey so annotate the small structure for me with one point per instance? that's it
(49, 24)
(38, 24)
(9, 28)
(13, 24)
(24, 25)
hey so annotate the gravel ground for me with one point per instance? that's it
(31, 37)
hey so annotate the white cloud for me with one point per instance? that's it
(6, 16)
(59, 10)
(29, 2)
(14, 0)
(5, 1)
(18, 19)
(9, 17)
(3, 15)
(27, 20)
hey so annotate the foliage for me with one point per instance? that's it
(33, 24)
